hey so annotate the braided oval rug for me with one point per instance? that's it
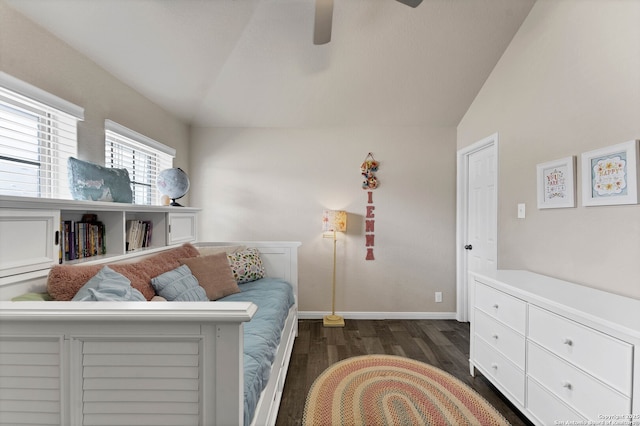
(392, 390)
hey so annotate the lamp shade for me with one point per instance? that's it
(334, 220)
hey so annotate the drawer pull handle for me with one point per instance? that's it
(567, 385)
(568, 342)
(495, 306)
(495, 336)
(494, 366)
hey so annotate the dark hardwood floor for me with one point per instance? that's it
(442, 343)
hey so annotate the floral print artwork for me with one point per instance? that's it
(609, 175)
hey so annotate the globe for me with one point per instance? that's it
(174, 183)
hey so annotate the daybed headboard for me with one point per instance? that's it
(280, 258)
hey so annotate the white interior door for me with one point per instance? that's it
(481, 221)
(477, 215)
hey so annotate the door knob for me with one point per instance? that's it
(468, 247)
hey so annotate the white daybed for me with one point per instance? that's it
(185, 358)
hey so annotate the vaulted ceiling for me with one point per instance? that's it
(252, 63)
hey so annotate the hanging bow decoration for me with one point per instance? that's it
(368, 168)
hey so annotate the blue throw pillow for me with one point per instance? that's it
(108, 285)
(89, 181)
(179, 285)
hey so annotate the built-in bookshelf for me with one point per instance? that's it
(35, 232)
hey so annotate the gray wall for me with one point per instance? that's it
(265, 184)
(568, 83)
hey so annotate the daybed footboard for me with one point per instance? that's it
(125, 363)
(122, 363)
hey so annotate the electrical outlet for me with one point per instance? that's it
(438, 296)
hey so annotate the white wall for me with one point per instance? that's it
(34, 55)
(568, 83)
(265, 184)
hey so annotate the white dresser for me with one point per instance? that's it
(558, 351)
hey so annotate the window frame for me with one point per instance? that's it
(164, 155)
(55, 138)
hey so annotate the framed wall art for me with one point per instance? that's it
(556, 183)
(609, 175)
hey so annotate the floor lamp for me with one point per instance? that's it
(333, 221)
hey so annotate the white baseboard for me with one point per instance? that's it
(381, 315)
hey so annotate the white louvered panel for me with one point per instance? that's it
(110, 384)
(152, 383)
(30, 386)
(140, 360)
(142, 347)
(169, 407)
(150, 419)
(122, 395)
(137, 372)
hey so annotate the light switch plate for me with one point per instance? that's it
(521, 211)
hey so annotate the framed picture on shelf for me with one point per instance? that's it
(610, 176)
(556, 183)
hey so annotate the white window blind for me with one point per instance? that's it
(38, 133)
(144, 159)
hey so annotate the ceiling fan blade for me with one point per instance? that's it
(412, 3)
(323, 21)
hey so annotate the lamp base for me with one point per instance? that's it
(333, 321)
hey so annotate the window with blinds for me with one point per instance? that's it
(38, 133)
(144, 159)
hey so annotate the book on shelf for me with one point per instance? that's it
(61, 243)
(138, 234)
(84, 238)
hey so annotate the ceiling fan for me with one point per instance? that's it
(324, 17)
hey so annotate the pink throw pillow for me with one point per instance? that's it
(214, 274)
(64, 281)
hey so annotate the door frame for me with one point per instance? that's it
(462, 220)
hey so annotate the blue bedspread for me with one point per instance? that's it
(273, 297)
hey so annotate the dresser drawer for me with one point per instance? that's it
(546, 407)
(579, 390)
(602, 356)
(499, 370)
(500, 337)
(506, 309)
